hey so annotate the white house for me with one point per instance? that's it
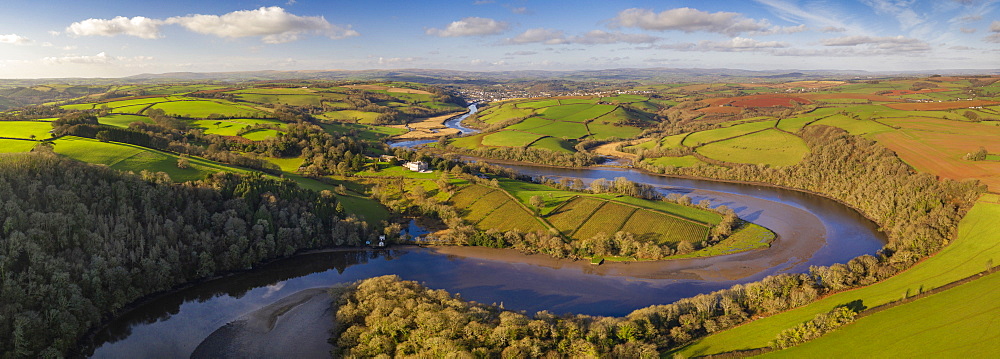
(418, 166)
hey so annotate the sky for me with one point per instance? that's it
(112, 38)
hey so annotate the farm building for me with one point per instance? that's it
(418, 166)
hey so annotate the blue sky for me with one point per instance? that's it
(63, 38)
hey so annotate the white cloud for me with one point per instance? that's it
(138, 26)
(519, 10)
(781, 30)
(902, 10)
(595, 37)
(814, 13)
(689, 20)
(521, 53)
(736, 44)
(397, 60)
(101, 58)
(273, 24)
(604, 37)
(995, 29)
(14, 39)
(539, 35)
(470, 26)
(893, 43)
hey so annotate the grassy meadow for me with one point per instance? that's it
(977, 246)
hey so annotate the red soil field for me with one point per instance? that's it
(938, 106)
(936, 146)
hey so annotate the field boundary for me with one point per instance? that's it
(660, 212)
(585, 220)
(538, 216)
(742, 353)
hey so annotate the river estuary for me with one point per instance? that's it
(274, 310)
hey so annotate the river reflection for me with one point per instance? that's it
(811, 230)
(174, 325)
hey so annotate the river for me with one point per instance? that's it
(811, 230)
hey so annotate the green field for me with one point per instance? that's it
(231, 127)
(977, 245)
(771, 147)
(553, 144)
(485, 205)
(511, 216)
(604, 131)
(567, 130)
(287, 99)
(795, 124)
(351, 115)
(538, 104)
(205, 108)
(608, 219)
(134, 109)
(122, 120)
(530, 124)
(25, 129)
(854, 127)
(371, 133)
(11, 146)
(960, 322)
(748, 237)
(133, 158)
(137, 101)
(510, 139)
(569, 217)
(722, 133)
(506, 111)
(260, 135)
(576, 112)
(470, 142)
(652, 226)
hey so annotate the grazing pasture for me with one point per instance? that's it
(957, 323)
(567, 130)
(977, 245)
(133, 158)
(122, 120)
(770, 147)
(510, 139)
(12, 146)
(25, 129)
(702, 137)
(204, 108)
(553, 144)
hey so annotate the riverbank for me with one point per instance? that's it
(296, 326)
(799, 235)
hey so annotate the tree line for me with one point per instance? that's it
(79, 241)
